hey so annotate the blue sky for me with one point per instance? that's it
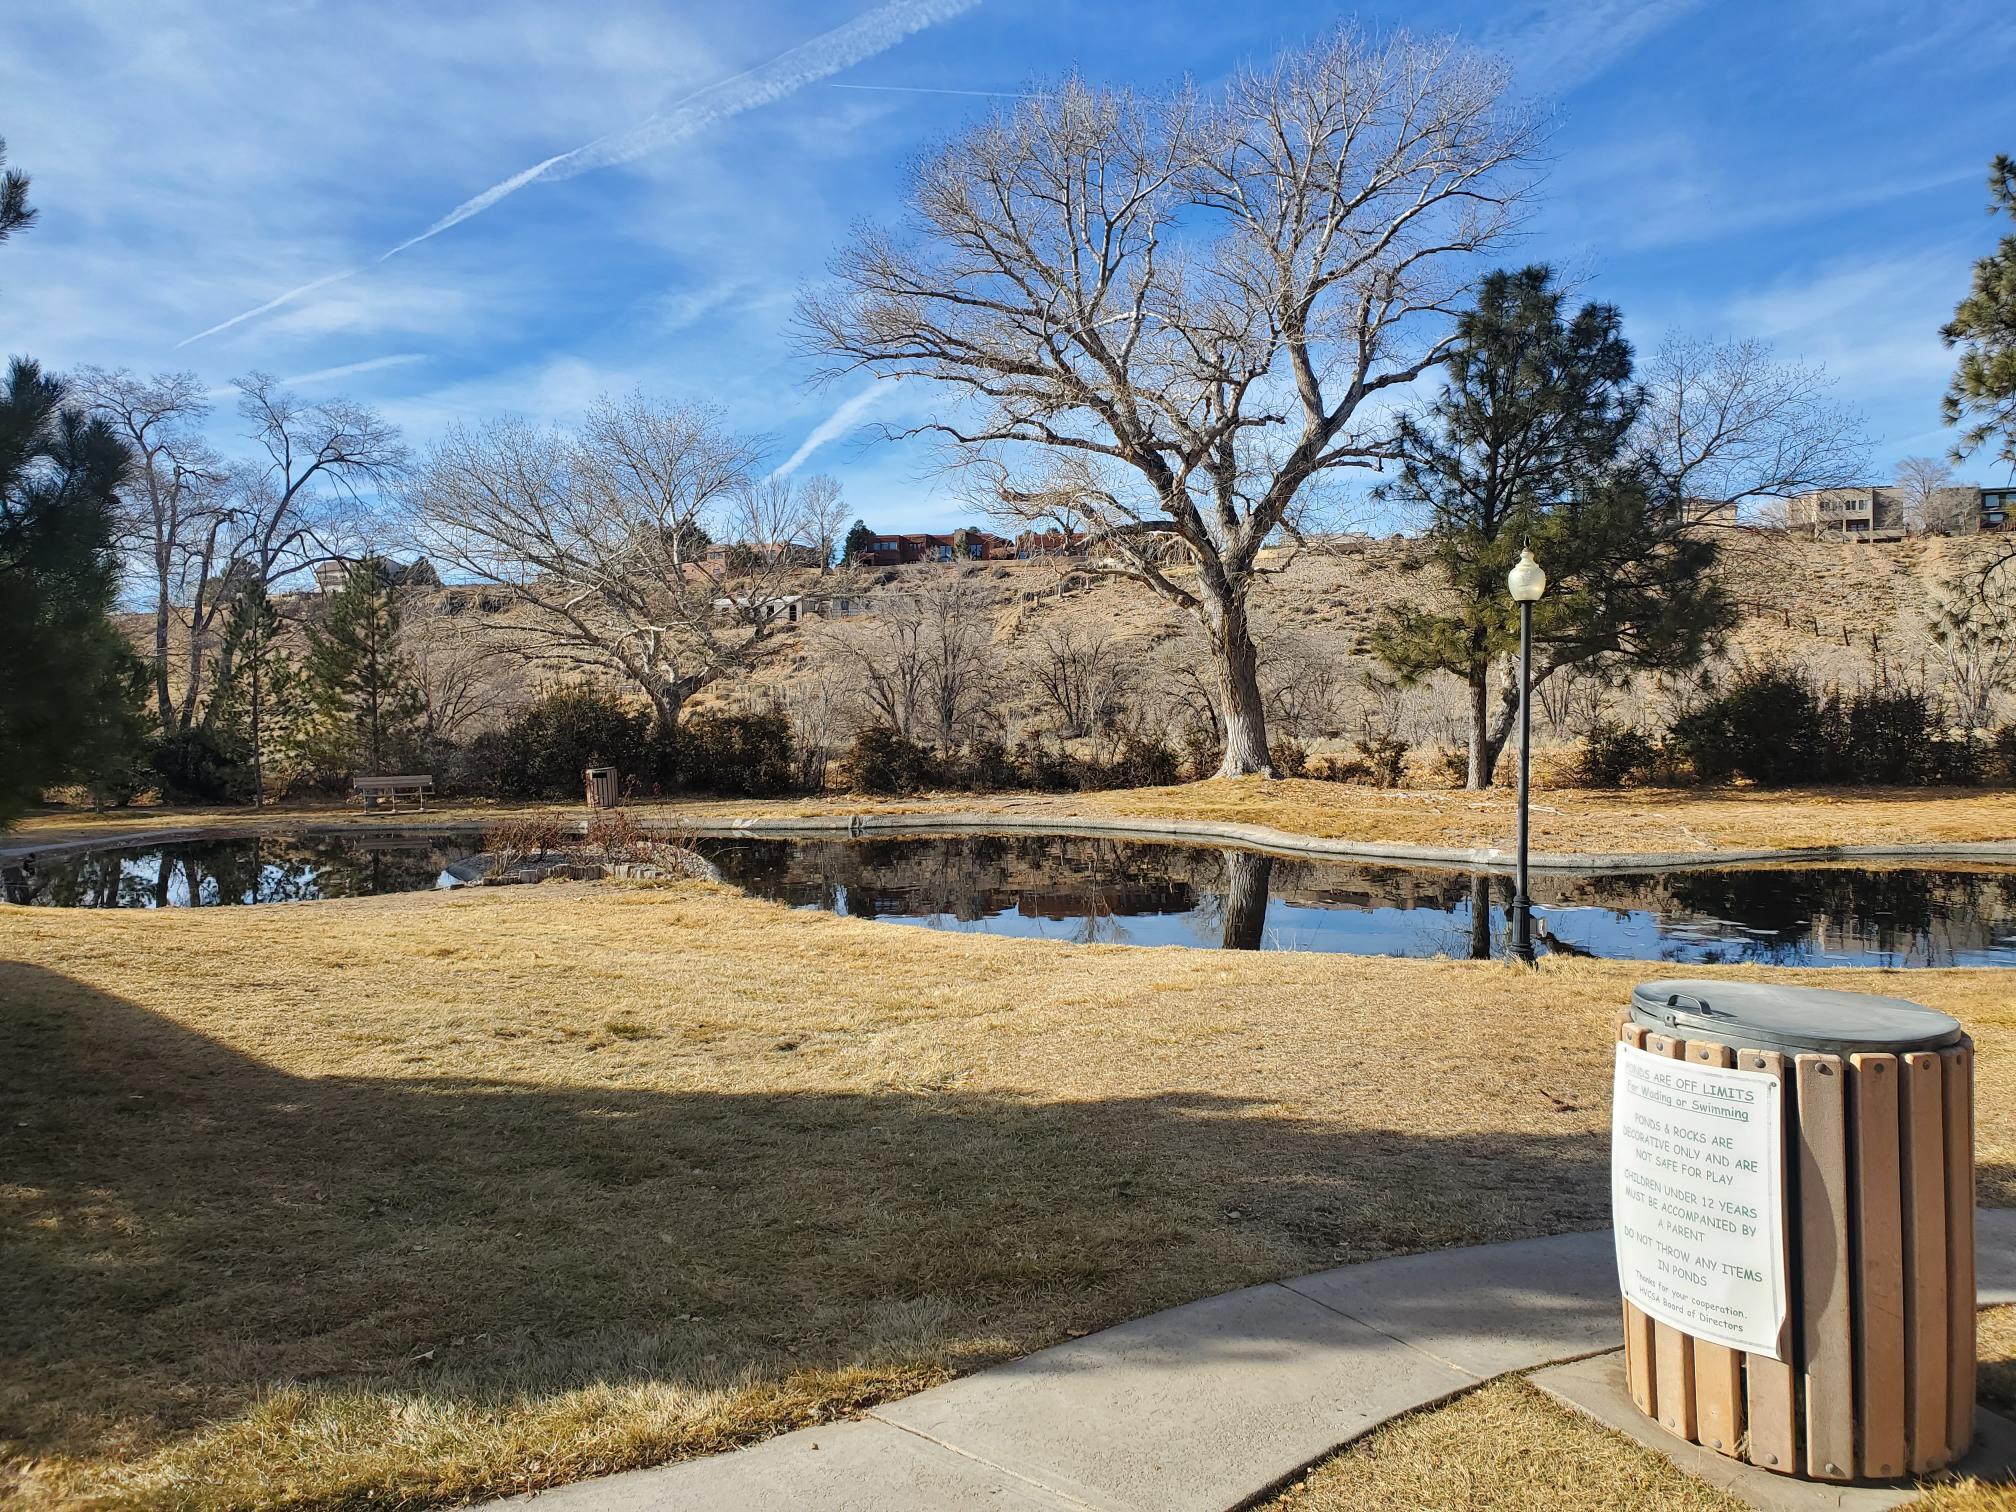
(1808, 173)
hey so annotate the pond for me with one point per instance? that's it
(1085, 889)
(262, 869)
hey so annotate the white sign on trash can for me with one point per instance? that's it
(1697, 1196)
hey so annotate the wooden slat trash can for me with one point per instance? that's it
(1793, 1183)
(603, 792)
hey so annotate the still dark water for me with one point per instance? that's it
(212, 873)
(1085, 889)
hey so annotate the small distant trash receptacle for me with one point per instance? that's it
(1792, 1183)
(602, 788)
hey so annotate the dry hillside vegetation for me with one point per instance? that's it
(1848, 612)
(435, 1196)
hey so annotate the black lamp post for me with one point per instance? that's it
(1527, 582)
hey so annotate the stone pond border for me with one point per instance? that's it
(1258, 837)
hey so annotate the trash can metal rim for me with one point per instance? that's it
(1795, 1020)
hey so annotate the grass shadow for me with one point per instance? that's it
(580, 1278)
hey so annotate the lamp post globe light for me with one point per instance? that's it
(1526, 582)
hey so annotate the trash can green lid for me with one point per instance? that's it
(1795, 1020)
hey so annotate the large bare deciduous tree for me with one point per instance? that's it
(1167, 319)
(204, 529)
(825, 515)
(1728, 422)
(176, 503)
(604, 535)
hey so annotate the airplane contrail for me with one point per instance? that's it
(985, 94)
(868, 34)
(833, 425)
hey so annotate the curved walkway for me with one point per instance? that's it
(1201, 1407)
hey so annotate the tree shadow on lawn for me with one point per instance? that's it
(188, 1228)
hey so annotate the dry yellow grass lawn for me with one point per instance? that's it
(1666, 819)
(1508, 1446)
(1680, 819)
(424, 1197)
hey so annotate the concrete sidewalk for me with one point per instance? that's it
(1199, 1407)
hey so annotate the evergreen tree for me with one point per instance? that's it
(362, 687)
(64, 666)
(15, 212)
(1983, 392)
(1528, 445)
(66, 673)
(859, 539)
(258, 706)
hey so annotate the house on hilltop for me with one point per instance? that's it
(1880, 513)
(967, 545)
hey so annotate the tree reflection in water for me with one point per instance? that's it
(1091, 889)
(1085, 889)
(264, 869)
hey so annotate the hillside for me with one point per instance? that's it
(1847, 611)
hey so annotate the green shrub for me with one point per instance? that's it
(1773, 727)
(985, 766)
(1047, 768)
(1767, 726)
(1890, 735)
(883, 762)
(744, 755)
(1141, 761)
(194, 768)
(544, 750)
(1616, 755)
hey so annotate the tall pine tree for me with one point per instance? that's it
(66, 673)
(362, 686)
(258, 707)
(1983, 392)
(1529, 444)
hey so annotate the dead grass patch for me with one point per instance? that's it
(433, 1196)
(1509, 1445)
(1506, 1447)
(1675, 819)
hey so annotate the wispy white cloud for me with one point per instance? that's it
(341, 370)
(866, 36)
(352, 369)
(1558, 44)
(835, 425)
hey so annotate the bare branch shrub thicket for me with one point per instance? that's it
(1084, 678)
(923, 661)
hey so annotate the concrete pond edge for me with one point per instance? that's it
(1256, 837)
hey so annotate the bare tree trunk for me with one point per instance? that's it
(1247, 874)
(1483, 759)
(1239, 700)
(164, 703)
(1491, 728)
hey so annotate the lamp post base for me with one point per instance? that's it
(1520, 918)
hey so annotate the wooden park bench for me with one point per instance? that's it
(377, 791)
